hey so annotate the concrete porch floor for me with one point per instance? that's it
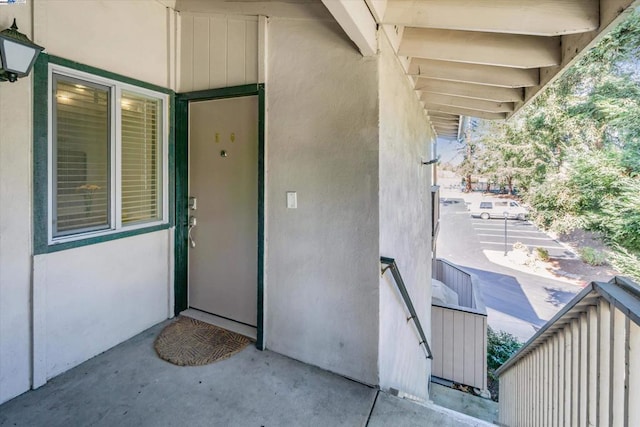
(130, 386)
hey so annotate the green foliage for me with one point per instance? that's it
(575, 150)
(542, 254)
(592, 256)
(500, 346)
(623, 260)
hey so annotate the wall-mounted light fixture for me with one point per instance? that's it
(17, 54)
(432, 161)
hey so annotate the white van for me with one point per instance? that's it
(497, 209)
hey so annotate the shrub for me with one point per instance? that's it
(627, 263)
(542, 254)
(592, 256)
(500, 346)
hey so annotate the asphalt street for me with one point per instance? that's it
(517, 302)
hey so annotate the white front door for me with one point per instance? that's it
(223, 178)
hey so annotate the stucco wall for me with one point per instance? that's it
(132, 38)
(93, 297)
(322, 142)
(89, 299)
(405, 231)
(15, 222)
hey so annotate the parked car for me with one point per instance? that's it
(498, 208)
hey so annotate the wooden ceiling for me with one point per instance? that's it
(486, 58)
(475, 58)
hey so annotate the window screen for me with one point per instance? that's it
(141, 153)
(81, 123)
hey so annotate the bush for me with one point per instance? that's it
(592, 256)
(500, 346)
(627, 263)
(542, 254)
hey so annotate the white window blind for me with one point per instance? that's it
(141, 155)
(108, 162)
(81, 156)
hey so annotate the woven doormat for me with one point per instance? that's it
(190, 342)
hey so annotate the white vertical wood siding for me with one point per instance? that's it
(582, 370)
(459, 333)
(455, 279)
(217, 51)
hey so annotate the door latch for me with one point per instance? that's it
(192, 223)
(193, 203)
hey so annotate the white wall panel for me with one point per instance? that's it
(217, 51)
(405, 227)
(322, 141)
(131, 38)
(15, 222)
(95, 297)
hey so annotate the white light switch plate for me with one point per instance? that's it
(292, 200)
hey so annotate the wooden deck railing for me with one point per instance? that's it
(459, 332)
(583, 367)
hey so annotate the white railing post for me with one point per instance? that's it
(583, 367)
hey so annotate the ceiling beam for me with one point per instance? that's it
(450, 127)
(472, 103)
(467, 90)
(357, 22)
(504, 50)
(534, 17)
(444, 116)
(446, 124)
(465, 112)
(574, 46)
(474, 73)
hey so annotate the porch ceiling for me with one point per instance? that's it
(485, 58)
(476, 58)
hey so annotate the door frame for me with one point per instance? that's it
(182, 187)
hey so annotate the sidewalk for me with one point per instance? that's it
(130, 386)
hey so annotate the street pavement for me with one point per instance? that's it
(517, 302)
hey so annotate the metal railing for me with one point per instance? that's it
(391, 265)
(583, 367)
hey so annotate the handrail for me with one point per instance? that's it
(621, 292)
(391, 264)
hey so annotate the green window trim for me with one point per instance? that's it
(41, 152)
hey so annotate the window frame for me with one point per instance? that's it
(116, 87)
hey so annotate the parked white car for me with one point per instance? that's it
(498, 209)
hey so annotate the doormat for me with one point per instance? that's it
(190, 342)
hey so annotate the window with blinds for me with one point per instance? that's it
(81, 149)
(109, 156)
(141, 154)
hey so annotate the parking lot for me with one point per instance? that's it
(491, 233)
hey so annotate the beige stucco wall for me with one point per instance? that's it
(405, 226)
(92, 298)
(132, 38)
(322, 142)
(77, 290)
(15, 222)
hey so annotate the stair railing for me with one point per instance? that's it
(391, 265)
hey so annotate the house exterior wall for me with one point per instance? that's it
(90, 298)
(217, 51)
(405, 227)
(132, 38)
(15, 222)
(322, 262)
